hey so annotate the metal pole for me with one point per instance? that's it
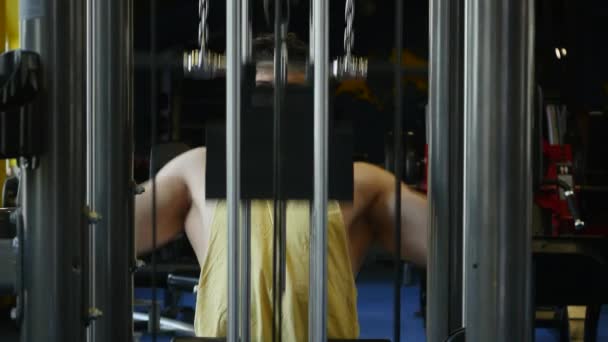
(279, 232)
(55, 183)
(233, 135)
(530, 26)
(110, 124)
(245, 234)
(245, 297)
(318, 250)
(444, 285)
(246, 31)
(311, 33)
(497, 172)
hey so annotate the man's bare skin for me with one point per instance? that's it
(181, 205)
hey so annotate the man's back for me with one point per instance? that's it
(212, 292)
(368, 219)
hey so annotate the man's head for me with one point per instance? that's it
(263, 55)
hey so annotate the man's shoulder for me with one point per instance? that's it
(370, 179)
(364, 171)
(191, 166)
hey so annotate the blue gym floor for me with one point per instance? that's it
(375, 304)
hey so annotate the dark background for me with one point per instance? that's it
(579, 80)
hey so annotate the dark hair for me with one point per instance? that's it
(263, 48)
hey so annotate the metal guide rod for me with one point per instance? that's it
(110, 173)
(311, 33)
(281, 23)
(444, 284)
(245, 229)
(530, 56)
(54, 185)
(318, 250)
(245, 271)
(497, 172)
(233, 177)
(90, 143)
(246, 31)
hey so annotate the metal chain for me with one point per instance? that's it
(349, 66)
(203, 29)
(201, 63)
(349, 31)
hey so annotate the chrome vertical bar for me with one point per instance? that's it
(110, 183)
(497, 173)
(318, 249)
(311, 33)
(245, 234)
(90, 182)
(245, 275)
(444, 284)
(529, 304)
(246, 31)
(233, 189)
(54, 184)
(279, 230)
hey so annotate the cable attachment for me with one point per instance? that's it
(201, 63)
(349, 31)
(569, 196)
(349, 66)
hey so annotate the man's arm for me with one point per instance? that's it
(173, 201)
(378, 189)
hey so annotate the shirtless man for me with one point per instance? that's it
(352, 228)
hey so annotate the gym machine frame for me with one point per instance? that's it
(238, 287)
(56, 282)
(445, 128)
(497, 202)
(53, 184)
(497, 169)
(110, 185)
(237, 57)
(494, 210)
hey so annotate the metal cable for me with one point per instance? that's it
(153, 130)
(268, 17)
(267, 12)
(397, 150)
(281, 24)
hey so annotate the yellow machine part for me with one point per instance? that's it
(3, 37)
(9, 39)
(9, 24)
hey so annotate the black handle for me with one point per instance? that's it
(20, 79)
(182, 282)
(579, 224)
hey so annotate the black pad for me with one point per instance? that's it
(297, 142)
